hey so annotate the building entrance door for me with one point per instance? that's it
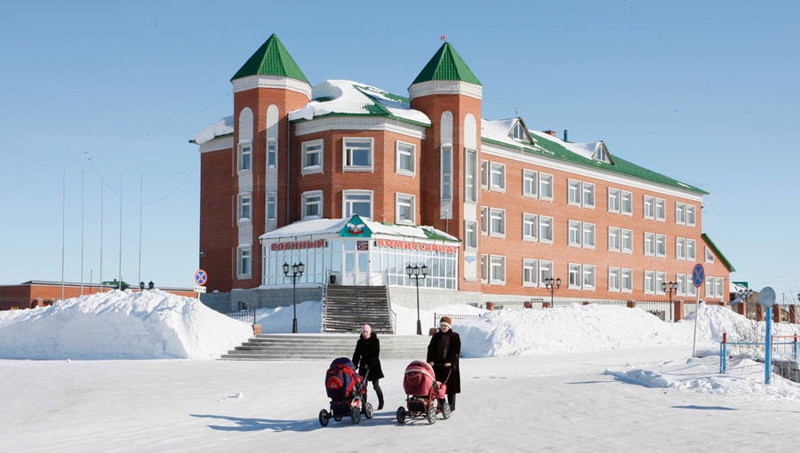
(356, 267)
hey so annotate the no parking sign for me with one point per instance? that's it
(698, 275)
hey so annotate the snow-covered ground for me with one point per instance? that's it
(580, 378)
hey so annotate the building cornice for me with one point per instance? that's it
(217, 144)
(434, 87)
(358, 123)
(615, 178)
(276, 82)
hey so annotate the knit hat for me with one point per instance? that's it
(446, 320)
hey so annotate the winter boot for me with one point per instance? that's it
(451, 399)
(380, 398)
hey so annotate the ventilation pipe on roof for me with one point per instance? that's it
(549, 132)
(565, 135)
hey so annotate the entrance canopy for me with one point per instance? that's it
(358, 251)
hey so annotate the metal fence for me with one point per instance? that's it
(748, 359)
(248, 316)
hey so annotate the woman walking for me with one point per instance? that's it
(443, 353)
(367, 358)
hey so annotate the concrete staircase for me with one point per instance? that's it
(325, 347)
(348, 307)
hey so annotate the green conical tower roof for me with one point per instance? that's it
(271, 58)
(446, 64)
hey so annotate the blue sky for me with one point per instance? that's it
(705, 92)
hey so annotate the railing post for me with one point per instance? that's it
(678, 310)
(793, 314)
(631, 304)
(723, 354)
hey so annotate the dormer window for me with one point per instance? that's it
(518, 132)
(601, 153)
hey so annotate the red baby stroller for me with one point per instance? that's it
(347, 391)
(425, 396)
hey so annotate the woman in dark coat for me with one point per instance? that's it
(443, 352)
(367, 358)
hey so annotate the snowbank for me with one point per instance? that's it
(279, 320)
(120, 325)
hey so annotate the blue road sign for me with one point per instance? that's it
(200, 277)
(698, 275)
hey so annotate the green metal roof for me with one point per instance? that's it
(718, 252)
(446, 64)
(271, 58)
(555, 150)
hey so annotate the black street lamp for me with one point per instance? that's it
(417, 273)
(669, 288)
(552, 284)
(297, 271)
(746, 294)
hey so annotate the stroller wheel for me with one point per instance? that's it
(368, 411)
(323, 417)
(355, 415)
(445, 410)
(401, 415)
(431, 416)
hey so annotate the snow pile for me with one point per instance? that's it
(120, 325)
(279, 320)
(744, 380)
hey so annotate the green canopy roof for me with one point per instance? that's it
(446, 64)
(271, 58)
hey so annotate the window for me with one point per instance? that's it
(312, 204)
(581, 234)
(661, 245)
(245, 206)
(357, 202)
(497, 222)
(447, 172)
(485, 268)
(691, 253)
(497, 177)
(529, 184)
(405, 158)
(690, 215)
(574, 273)
(272, 153)
(545, 186)
(580, 193)
(613, 279)
(661, 209)
(680, 248)
(484, 220)
(681, 280)
(613, 200)
(245, 156)
(545, 271)
(471, 176)
(404, 209)
(244, 260)
(312, 157)
(357, 154)
(626, 207)
(649, 212)
(497, 269)
(588, 235)
(272, 198)
(546, 229)
(485, 174)
(714, 287)
(530, 227)
(680, 213)
(649, 282)
(627, 280)
(661, 278)
(614, 239)
(650, 244)
(627, 240)
(709, 256)
(530, 272)
(581, 276)
(470, 235)
(518, 132)
(588, 276)
(574, 233)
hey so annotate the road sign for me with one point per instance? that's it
(766, 298)
(200, 277)
(698, 275)
(200, 289)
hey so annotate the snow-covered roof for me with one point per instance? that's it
(333, 226)
(218, 129)
(352, 98)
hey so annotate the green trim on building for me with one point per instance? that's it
(718, 252)
(273, 59)
(446, 64)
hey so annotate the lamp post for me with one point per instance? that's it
(552, 284)
(297, 271)
(669, 288)
(417, 273)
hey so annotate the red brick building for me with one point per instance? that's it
(525, 205)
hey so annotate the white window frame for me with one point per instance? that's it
(271, 207)
(574, 276)
(626, 202)
(626, 280)
(244, 205)
(311, 148)
(350, 148)
(485, 269)
(545, 187)
(409, 150)
(546, 228)
(587, 195)
(530, 184)
(485, 221)
(626, 240)
(245, 156)
(446, 172)
(530, 227)
(574, 192)
(661, 245)
(709, 255)
(484, 174)
(545, 272)
(497, 262)
(244, 262)
(530, 272)
(471, 175)
(661, 277)
(588, 236)
(680, 213)
(470, 235)
(497, 177)
(661, 209)
(614, 282)
(613, 200)
(649, 244)
(648, 207)
(690, 215)
(649, 282)
(681, 280)
(312, 198)
(347, 204)
(496, 213)
(588, 277)
(409, 201)
(680, 248)
(614, 239)
(574, 233)
(691, 249)
(272, 152)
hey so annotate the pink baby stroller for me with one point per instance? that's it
(425, 397)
